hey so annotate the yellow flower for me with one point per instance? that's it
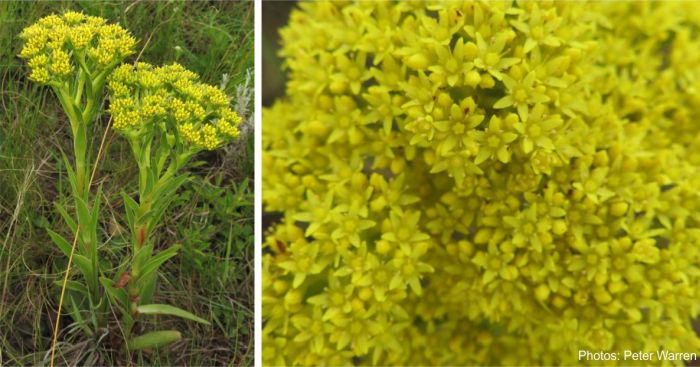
(72, 17)
(60, 63)
(123, 110)
(174, 94)
(180, 113)
(209, 138)
(227, 128)
(63, 38)
(457, 180)
(154, 105)
(40, 75)
(189, 133)
(494, 142)
(522, 92)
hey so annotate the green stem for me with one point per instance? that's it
(83, 65)
(94, 90)
(69, 108)
(79, 133)
(80, 86)
(80, 172)
(141, 147)
(133, 291)
(89, 111)
(79, 121)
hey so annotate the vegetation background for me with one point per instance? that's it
(212, 218)
(275, 15)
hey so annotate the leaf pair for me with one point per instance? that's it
(163, 337)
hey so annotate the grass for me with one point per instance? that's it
(212, 218)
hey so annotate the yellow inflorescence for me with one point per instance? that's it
(61, 63)
(50, 42)
(483, 183)
(189, 132)
(172, 93)
(228, 128)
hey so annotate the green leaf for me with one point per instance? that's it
(80, 139)
(131, 207)
(96, 207)
(71, 174)
(141, 257)
(159, 309)
(154, 339)
(162, 154)
(74, 286)
(167, 188)
(61, 242)
(156, 261)
(118, 296)
(148, 274)
(146, 177)
(66, 217)
(95, 217)
(74, 311)
(84, 265)
(163, 195)
(144, 218)
(151, 180)
(85, 219)
(148, 288)
(69, 107)
(159, 210)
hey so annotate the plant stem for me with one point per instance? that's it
(80, 87)
(80, 170)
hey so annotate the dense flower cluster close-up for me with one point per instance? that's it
(56, 44)
(483, 183)
(173, 97)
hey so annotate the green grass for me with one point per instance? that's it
(213, 217)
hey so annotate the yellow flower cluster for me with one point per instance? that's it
(53, 40)
(171, 96)
(483, 183)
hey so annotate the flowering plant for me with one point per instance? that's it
(73, 54)
(166, 115)
(482, 183)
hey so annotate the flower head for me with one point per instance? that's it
(56, 44)
(171, 97)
